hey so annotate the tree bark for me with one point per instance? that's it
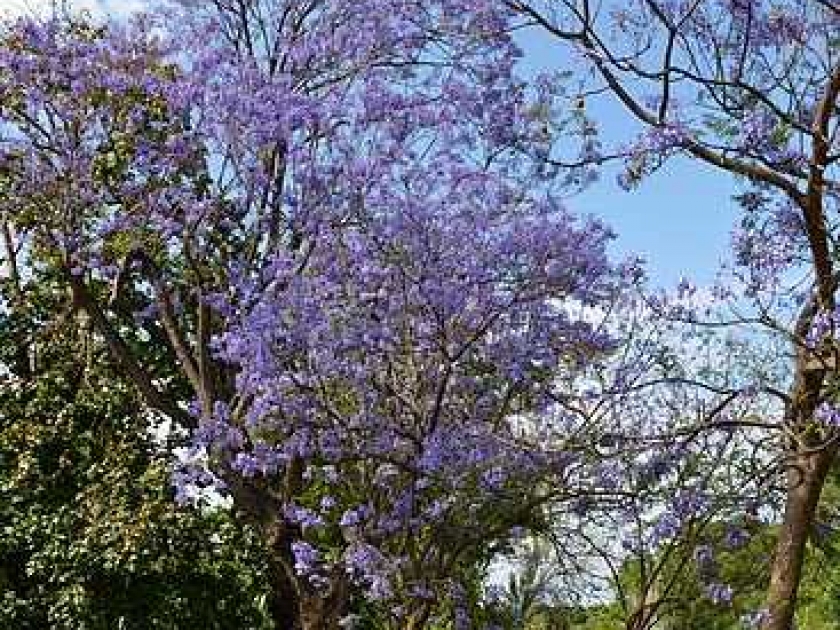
(811, 462)
(642, 619)
(324, 611)
(283, 604)
(805, 481)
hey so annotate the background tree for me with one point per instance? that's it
(750, 88)
(92, 536)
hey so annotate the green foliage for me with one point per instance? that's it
(90, 537)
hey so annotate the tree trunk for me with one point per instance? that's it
(639, 620)
(324, 611)
(283, 601)
(805, 481)
(296, 606)
(261, 509)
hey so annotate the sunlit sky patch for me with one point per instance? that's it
(96, 7)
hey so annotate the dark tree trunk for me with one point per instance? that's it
(811, 453)
(283, 603)
(804, 485)
(324, 611)
(640, 620)
(258, 507)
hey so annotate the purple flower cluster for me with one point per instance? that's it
(369, 567)
(823, 328)
(719, 593)
(736, 538)
(362, 277)
(688, 504)
(755, 620)
(306, 557)
(828, 413)
(651, 150)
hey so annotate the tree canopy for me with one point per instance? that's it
(329, 249)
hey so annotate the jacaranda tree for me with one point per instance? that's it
(749, 87)
(325, 213)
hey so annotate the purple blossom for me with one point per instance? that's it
(422, 591)
(755, 620)
(736, 537)
(302, 516)
(719, 593)
(355, 516)
(828, 413)
(823, 327)
(704, 556)
(356, 348)
(368, 566)
(306, 557)
(667, 527)
(651, 149)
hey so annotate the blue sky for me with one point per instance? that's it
(679, 220)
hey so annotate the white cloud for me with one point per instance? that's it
(39, 7)
(96, 7)
(123, 7)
